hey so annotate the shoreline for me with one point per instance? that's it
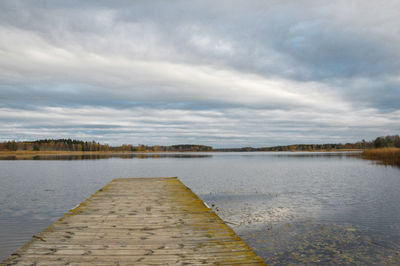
(385, 156)
(33, 153)
(49, 155)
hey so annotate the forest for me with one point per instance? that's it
(379, 142)
(93, 146)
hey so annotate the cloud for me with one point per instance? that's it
(220, 128)
(265, 72)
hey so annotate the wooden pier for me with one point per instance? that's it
(138, 221)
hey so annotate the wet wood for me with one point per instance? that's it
(138, 221)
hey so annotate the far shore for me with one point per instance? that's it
(33, 153)
(44, 153)
(387, 156)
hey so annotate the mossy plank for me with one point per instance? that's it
(138, 221)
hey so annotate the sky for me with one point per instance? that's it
(220, 73)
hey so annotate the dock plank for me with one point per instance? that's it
(140, 221)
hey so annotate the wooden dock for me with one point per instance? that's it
(138, 221)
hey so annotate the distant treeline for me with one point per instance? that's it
(78, 145)
(380, 142)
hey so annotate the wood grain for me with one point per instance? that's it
(138, 221)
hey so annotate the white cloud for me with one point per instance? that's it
(146, 80)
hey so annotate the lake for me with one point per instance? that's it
(290, 207)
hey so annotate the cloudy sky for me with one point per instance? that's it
(221, 73)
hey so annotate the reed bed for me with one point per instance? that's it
(387, 156)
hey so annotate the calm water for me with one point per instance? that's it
(292, 208)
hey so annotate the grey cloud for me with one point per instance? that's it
(235, 58)
(302, 34)
(230, 127)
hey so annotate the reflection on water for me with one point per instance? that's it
(305, 154)
(103, 156)
(292, 208)
(327, 154)
(96, 156)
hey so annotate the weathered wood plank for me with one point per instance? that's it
(141, 221)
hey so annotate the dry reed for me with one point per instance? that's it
(387, 156)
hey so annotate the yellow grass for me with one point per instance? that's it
(30, 154)
(57, 152)
(387, 156)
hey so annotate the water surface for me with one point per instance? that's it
(292, 208)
